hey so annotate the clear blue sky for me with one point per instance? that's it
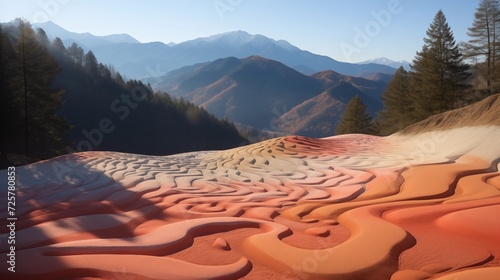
(347, 30)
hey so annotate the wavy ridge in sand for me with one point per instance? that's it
(407, 206)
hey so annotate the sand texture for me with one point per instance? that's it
(408, 206)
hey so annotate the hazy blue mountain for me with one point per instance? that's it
(143, 60)
(86, 40)
(266, 94)
(388, 62)
(241, 44)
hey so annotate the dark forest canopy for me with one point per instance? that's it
(58, 99)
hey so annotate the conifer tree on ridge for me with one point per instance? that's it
(484, 42)
(355, 118)
(398, 106)
(439, 75)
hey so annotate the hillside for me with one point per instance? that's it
(267, 94)
(485, 112)
(422, 204)
(319, 116)
(85, 106)
(259, 87)
(372, 88)
(165, 125)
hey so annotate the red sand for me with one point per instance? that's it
(347, 207)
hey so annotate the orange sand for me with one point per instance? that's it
(345, 207)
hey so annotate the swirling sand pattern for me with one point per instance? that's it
(345, 207)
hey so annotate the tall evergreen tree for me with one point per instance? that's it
(90, 63)
(75, 52)
(3, 100)
(439, 74)
(42, 38)
(484, 42)
(9, 105)
(58, 50)
(398, 106)
(43, 129)
(355, 119)
(58, 45)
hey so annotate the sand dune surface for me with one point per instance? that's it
(413, 205)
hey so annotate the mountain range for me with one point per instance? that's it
(268, 95)
(84, 40)
(388, 62)
(141, 60)
(251, 80)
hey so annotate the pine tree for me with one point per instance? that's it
(355, 118)
(9, 109)
(398, 106)
(484, 43)
(90, 63)
(439, 75)
(43, 129)
(58, 46)
(3, 100)
(76, 53)
(42, 38)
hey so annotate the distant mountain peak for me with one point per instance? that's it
(326, 73)
(231, 36)
(240, 38)
(389, 62)
(86, 39)
(49, 24)
(51, 28)
(380, 60)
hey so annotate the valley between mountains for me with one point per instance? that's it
(268, 95)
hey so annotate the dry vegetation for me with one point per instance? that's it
(485, 112)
